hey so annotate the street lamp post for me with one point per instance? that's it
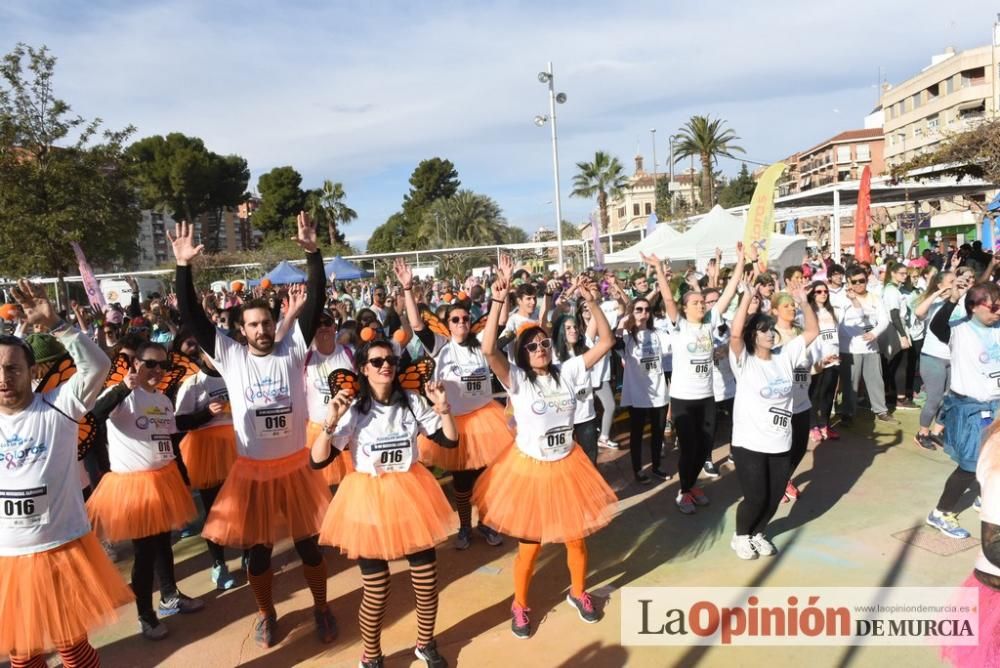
(652, 134)
(670, 195)
(547, 78)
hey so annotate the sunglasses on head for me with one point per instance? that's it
(455, 319)
(533, 346)
(377, 362)
(152, 364)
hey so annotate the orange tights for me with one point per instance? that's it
(524, 568)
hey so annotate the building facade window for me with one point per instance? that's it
(843, 154)
(863, 151)
(932, 122)
(621, 212)
(635, 209)
(915, 100)
(649, 208)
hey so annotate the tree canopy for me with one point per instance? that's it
(62, 178)
(739, 191)
(974, 153)
(326, 206)
(603, 178)
(281, 200)
(431, 180)
(707, 139)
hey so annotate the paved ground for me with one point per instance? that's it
(857, 493)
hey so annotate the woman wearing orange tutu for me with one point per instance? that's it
(325, 356)
(144, 498)
(544, 489)
(390, 506)
(56, 583)
(208, 448)
(482, 426)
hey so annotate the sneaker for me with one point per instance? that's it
(326, 625)
(662, 475)
(372, 663)
(642, 478)
(429, 655)
(152, 629)
(925, 441)
(668, 430)
(946, 523)
(743, 547)
(493, 538)
(762, 545)
(710, 470)
(520, 625)
(906, 404)
(607, 443)
(977, 505)
(816, 435)
(584, 607)
(188, 531)
(847, 421)
(938, 441)
(829, 434)
(700, 499)
(463, 539)
(222, 578)
(179, 603)
(109, 549)
(685, 503)
(791, 491)
(265, 627)
(885, 417)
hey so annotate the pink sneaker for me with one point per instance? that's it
(830, 435)
(816, 434)
(791, 491)
(698, 496)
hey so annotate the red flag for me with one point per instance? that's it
(862, 218)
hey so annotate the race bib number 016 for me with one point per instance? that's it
(475, 385)
(163, 450)
(24, 508)
(392, 454)
(273, 422)
(556, 443)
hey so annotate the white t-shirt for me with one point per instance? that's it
(827, 343)
(975, 360)
(762, 411)
(544, 410)
(856, 321)
(465, 374)
(643, 382)
(934, 346)
(584, 389)
(197, 392)
(693, 347)
(892, 298)
(40, 506)
(139, 430)
(317, 378)
(384, 440)
(514, 322)
(723, 380)
(269, 410)
(915, 327)
(600, 373)
(664, 325)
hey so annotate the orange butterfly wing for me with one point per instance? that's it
(478, 326)
(415, 376)
(86, 435)
(432, 322)
(119, 369)
(61, 370)
(182, 367)
(343, 379)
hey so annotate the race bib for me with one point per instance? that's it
(651, 363)
(779, 422)
(556, 443)
(273, 422)
(163, 450)
(392, 454)
(24, 508)
(474, 383)
(702, 368)
(828, 335)
(800, 375)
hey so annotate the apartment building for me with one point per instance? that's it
(839, 158)
(951, 95)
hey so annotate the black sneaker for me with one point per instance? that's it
(925, 441)
(642, 478)
(885, 417)
(179, 603)
(584, 607)
(711, 471)
(662, 475)
(326, 626)
(372, 663)
(936, 439)
(265, 627)
(429, 655)
(520, 625)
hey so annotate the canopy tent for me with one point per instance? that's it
(658, 243)
(719, 229)
(343, 270)
(285, 274)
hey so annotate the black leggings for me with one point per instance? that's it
(890, 367)
(912, 355)
(694, 424)
(208, 500)
(154, 556)
(822, 392)
(763, 477)
(259, 559)
(657, 419)
(954, 487)
(800, 439)
(586, 434)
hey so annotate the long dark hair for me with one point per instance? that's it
(633, 330)
(365, 398)
(521, 353)
(811, 298)
(471, 340)
(758, 322)
(559, 342)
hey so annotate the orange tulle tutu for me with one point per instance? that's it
(482, 436)
(547, 502)
(387, 517)
(333, 473)
(57, 597)
(208, 454)
(144, 503)
(266, 500)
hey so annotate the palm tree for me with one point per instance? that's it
(604, 177)
(704, 137)
(326, 206)
(465, 219)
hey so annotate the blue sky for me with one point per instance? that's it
(360, 92)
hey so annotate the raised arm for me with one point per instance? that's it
(315, 279)
(811, 329)
(405, 277)
(494, 356)
(923, 307)
(739, 322)
(663, 281)
(605, 339)
(726, 297)
(192, 314)
(296, 304)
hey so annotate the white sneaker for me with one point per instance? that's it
(607, 443)
(743, 547)
(763, 545)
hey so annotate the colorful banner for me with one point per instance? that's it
(94, 294)
(863, 217)
(598, 251)
(760, 216)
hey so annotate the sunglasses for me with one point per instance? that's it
(152, 364)
(858, 281)
(994, 307)
(377, 362)
(533, 346)
(325, 322)
(457, 319)
(640, 309)
(819, 292)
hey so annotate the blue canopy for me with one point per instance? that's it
(284, 274)
(991, 225)
(344, 270)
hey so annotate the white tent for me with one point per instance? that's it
(658, 243)
(717, 229)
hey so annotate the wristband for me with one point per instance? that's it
(407, 287)
(329, 428)
(497, 301)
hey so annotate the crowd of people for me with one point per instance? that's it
(328, 415)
